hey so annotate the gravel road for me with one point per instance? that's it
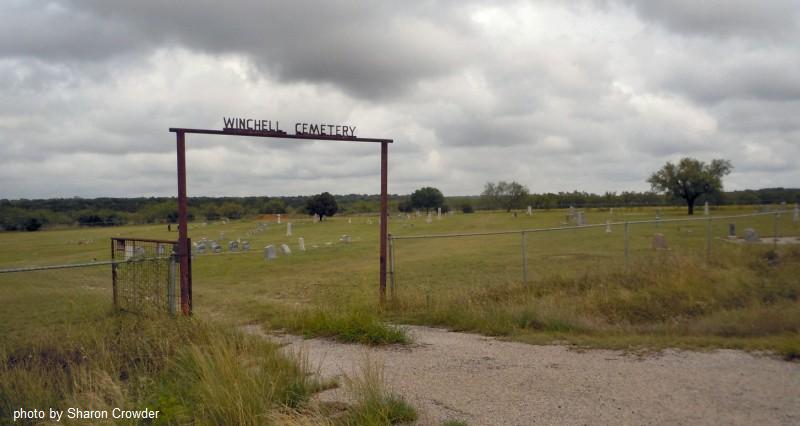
(485, 381)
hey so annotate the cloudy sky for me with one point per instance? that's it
(589, 95)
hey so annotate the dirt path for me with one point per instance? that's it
(484, 381)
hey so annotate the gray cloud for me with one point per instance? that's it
(590, 96)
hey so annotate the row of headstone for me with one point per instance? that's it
(214, 247)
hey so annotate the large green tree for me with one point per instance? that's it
(427, 198)
(690, 178)
(504, 195)
(323, 205)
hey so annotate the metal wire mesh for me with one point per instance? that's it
(144, 275)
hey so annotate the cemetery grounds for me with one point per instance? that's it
(579, 291)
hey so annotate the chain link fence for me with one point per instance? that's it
(482, 259)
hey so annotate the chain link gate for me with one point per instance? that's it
(144, 274)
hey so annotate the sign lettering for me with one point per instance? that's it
(269, 126)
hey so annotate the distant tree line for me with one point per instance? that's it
(31, 215)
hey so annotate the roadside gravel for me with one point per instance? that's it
(485, 381)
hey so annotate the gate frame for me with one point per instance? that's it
(184, 254)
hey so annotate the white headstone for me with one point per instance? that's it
(302, 243)
(530, 210)
(349, 220)
(418, 213)
(429, 219)
(608, 226)
(751, 236)
(285, 250)
(279, 218)
(659, 242)
(345, 238)
(288, 229)
(579, 219)
(269, 252)
(705, 208)
(369, 221)
(439, 212)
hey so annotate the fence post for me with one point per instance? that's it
(524, 259)
(391, 267)
(626, 245)
(708, 239)
(114, 275)
(775, 232)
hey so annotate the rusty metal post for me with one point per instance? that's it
(114, 274)
(183, 227)
(384, 219)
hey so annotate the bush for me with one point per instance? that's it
(467, 208)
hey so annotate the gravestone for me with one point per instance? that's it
(279, 218)
(349, 220)
(301, 243)
(245, 246)
(201, 247)
(344, 238)
(285, 250)
(233, 246)
(161, 249)
(269, 252)
(221, 235)
(315, 218)
(608, 226)
(658, 214)
(751, 236)
(215, 247)
(530, 210)
(731, 230)
(429, 219)
(611, 211)
(369, 221)
(418, 213)
(288, 229)
(579, 220)
(660, 242)
(438, 212)
(705, 209)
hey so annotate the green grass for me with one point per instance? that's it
(578, 292)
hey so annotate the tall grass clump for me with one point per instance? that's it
(745, 298)
(373, 404)
(191, 372)
(353, 325)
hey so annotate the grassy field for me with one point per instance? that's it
(62, 343)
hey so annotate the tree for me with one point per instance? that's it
(427, 198)
(690, 178)
(323, 205)
(505, 195)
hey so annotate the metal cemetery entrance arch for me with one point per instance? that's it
(184, 251)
